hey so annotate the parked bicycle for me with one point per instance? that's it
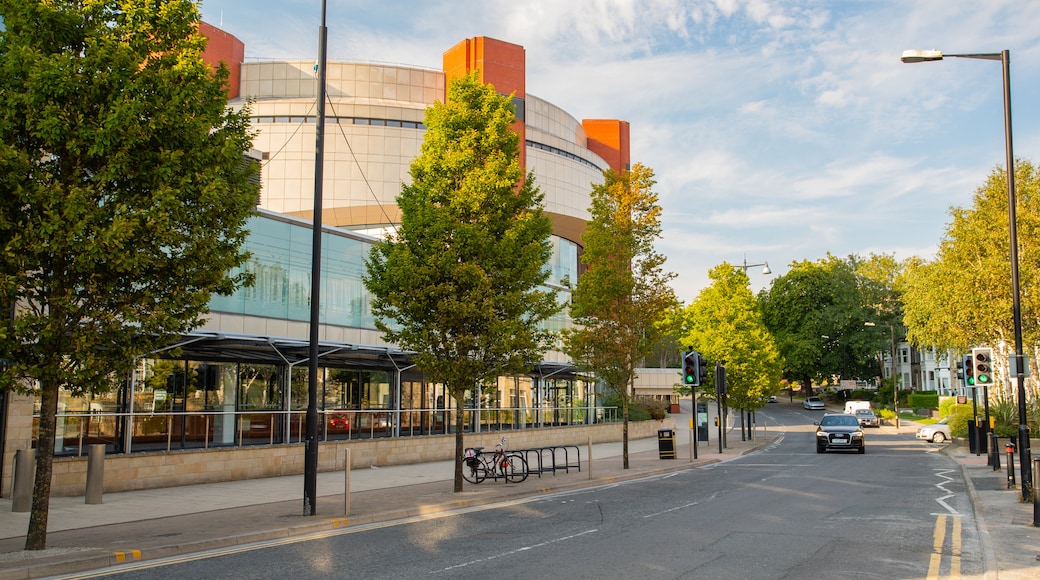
(478, 466)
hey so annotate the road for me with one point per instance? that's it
(900, 511)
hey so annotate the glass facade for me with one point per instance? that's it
(184, 404)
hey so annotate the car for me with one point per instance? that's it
(938, 432)
(840, 431)
(339, 422)
(772, 399)
(867, 418)
(814, 404)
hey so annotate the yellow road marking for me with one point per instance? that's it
(134, 554)
(939, 536)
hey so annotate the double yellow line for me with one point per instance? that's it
(939, 541)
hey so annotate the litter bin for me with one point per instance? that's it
(666, 443)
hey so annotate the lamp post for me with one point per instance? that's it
(912, 56)
(310, 457)
(765, 267)
(892, 360)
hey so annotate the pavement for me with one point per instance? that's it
(146, 525)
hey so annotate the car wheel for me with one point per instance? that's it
(820, 449)
(862, 450)
(939, 437)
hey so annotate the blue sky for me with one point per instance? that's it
(779, 130)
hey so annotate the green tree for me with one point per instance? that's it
(963, 297)
(459, 281)
(124, 195)
(817, 315)
(621, 304)
(878, 281)
(724, 324)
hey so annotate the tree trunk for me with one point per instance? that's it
(624, 431)
(460, 423)
(36, 537)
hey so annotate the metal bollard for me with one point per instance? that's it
(95, 474)
(24, 473)
(1036, 496)
(995, 455)
(346, 482)
(1010, 448)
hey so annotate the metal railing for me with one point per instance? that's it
(169, 430)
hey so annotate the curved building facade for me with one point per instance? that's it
(240, 379)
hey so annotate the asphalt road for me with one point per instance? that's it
(782, 512)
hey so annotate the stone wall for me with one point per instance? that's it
(187, 467)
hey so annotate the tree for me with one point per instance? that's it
(963, 297)
(877, 276)
(817, 314)
(459, 281)
(124, 195)
(621, 302)
(724, 324)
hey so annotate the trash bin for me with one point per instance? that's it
(666, 443)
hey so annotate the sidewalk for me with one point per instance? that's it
(156, 523)
(1011, 544)
(150, 524)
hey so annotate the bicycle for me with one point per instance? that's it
(478, 466)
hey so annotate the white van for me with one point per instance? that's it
(852, 406)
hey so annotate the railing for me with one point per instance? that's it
(168, 430)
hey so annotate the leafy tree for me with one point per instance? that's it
(123, 195)
(878, 281)
(459, 281)
(963, 297)
(621, 303)
(817, 315)
(725, 324)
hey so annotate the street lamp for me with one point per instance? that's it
(765, 267)
(892, 360)
(912, 56)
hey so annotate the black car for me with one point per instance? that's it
(839, 431)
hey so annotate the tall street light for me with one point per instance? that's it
(892, 361)
(765, 267)
(310, 457)
(911, 56)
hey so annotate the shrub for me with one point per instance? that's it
(923, 400)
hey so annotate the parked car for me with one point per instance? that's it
(339, 422)
(814, 404)
(938, 432)
(840, 431)
(772, 399)
(867, 418)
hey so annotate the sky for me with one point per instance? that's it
(778, 130)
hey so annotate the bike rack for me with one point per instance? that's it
(551, 459)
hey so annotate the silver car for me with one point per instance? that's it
(814, 404)
(938, 432)
(867, 418)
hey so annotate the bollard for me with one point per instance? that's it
(346, 483)
(95, 474)
(994, 456)
(24, 472)
(1010, 448)
(1036, 496)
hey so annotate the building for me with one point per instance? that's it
(240, 380)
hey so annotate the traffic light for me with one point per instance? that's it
(691, 374)
(969, 370)
(983, 360)
(960, 369)
(702, 370)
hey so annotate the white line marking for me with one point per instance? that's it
(515, 551)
